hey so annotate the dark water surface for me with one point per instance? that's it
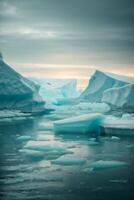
(28, 176)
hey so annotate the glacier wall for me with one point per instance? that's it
(18, 92)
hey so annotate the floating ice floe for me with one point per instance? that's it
(118, 126)
(120, 97)
(45, 126)
(33, 154)
(115, 138)
(13, 115)
(69, 160)
(101, 164)
(88, 123)
(24, 138)
(53, 89)
(44, 137)
(54, 147)
(81, 108)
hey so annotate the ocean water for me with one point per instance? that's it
(37, 164)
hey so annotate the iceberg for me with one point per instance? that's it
(99, 82)
(53, 89)
(33, 154)
(101, 164)
(69, 89)
(87, 123)
(18, 92)
(120, 97)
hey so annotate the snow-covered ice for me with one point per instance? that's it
(88, 123)
(120, 97)
(24, 138)
(99, 82)
(46, 146)
(53, 89)
(106, 164)
(69, 160)
(33, 154)
(18, 92)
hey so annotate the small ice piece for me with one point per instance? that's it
(128, 116)
(24, 138)
(44, 164)
(115, 138)
(87, 123)
(46, 126)
(33, 154)
(54, 147)
(101, 164)
(66, 160)
(118, 181)
(18, 92)
(93, 143)
(43, 137)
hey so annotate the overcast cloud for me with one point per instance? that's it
(94, 33)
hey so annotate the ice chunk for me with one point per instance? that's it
(45, 137)
(120, 97)
(33, 154)
(85, 107)
(18, 92)
(55, 147)
(66, 160)
(46, 126)
(99, 82)
(118, 126)
(24, 138)
(118, 181)
(52, 89)
(101, 164)
(93, 107)
(13, 114)
(115, 138)
(128, 116)
(88, 123)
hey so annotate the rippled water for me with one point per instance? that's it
(28, 169)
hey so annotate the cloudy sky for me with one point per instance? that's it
(68, 38)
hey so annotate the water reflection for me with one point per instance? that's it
(23, 176)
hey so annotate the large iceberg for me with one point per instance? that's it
(120, 97)
(99, 90)
(54, 90)
(87, 123)
(100, 82)
(18, 92)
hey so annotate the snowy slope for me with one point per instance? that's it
(18, 92)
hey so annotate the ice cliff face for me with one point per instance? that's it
(18, 92)
(98, 83)
(120, 97)
(117, 91)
